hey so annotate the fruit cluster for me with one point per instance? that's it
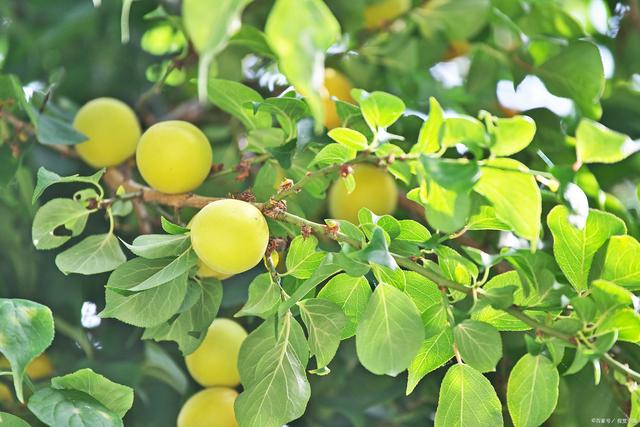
(214, 365)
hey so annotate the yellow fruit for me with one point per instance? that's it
(336, 85)
(215, 361)
(6, 396)
(379, 13)
(204, 271)
(211, 407)
(174, 156)
(113, 131)
(229, 236)
(375, 190)
(39, 368)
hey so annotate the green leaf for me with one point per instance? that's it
(172, 228)
(327, 268)
(457, 19)
(333, 154)
(9, 420)
(115, 397)
(465, 130)
(160, 365)
(253, 39)
(302, 258)
(626, 322)
(446, 210)
(479, 344)
(27, 330)
(152, 246)
(147, 308)
(54, 214)
(189, 328)
(504, 321)
(379, 109)
(210, 32)
(459, 176)
(264, 296)
(576, 72)
(272, 365)
(512, 135)
(429, 137)
(351, 294)
(288, 111)
(95, 254)
(532, 391)
(176, 268)
(389, 276)
(235, 99)
(390, 332)
(467, 398)
(595, 143)
(434, 352)
(51, 130)
(300, 32)
(325, 322)
(412, 231)
(46, 178)
(514, 194)
(377, 251)
(608, 295)
(71, 408)
(349, 138)
(574, 248)
(620, 262)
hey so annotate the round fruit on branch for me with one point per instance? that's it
(375, 190)
(174, 156)
(336, 85)
(230, 236)
(113, 131)
(215, 361)
(211, 407)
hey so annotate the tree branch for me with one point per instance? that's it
(114, 178)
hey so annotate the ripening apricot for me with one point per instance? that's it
(204, 271)
(174, 156)
(211, 407)
(375, 190)
(336, 85)
(230, 236)
(215, 361)
(39, 368)
(383, 11)
(112, 130)
(6, 395)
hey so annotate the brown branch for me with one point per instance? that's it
(114, 178)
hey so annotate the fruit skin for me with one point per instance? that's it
(174, 156)
(113, 131)
(215, 361)
(378, 14)
(204, 271)
(336, 85)
(211, 407)
(375, 190)
(230, 236)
